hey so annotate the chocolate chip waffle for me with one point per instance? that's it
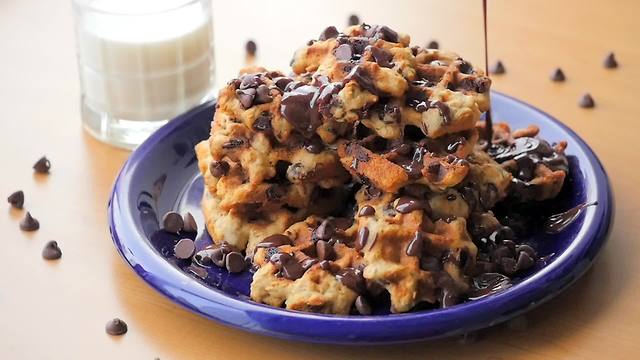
(363, 174)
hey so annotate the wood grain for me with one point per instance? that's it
(58, 310)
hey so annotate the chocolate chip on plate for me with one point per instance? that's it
(29, 223)
(586, 101)
(116, 327)
(43, 165)
(498, 68)
(353, 20)
(433, 45)
(189, 223)
(610, 61)
(51, 251)
(184, 249)
(557, 75)
(235, 262)
(362, 305)
(16, 199)
(172, 222)
(251, 48)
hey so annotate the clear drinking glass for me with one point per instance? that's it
(141, 63)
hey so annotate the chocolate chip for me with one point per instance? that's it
(190, 224)
(364, 80)
(498, 68)
(246, 97)
(116, 327)
(363, 238)
(415, 246)
(43, 165)
(172, 222)
(314, 145)
(203, 257)
(219, 168)
(382, 57)
(198, 271)
(353, 20)
(263, 95)
(444, 110)
(343, 52)
(434, 168)
(586, 101)
(218, 257)
(362, 305)
(308, 263)
(525, 261)
(325, 230)
(367, 210)
(610, 61)
(233, 143)
(29, 223)
(329, 33)
(290, 268)
(16, 199)
(184, 249)
(263, 122)
(465, 67)
(274, 241)
(557, 75)
(324, 250)
(433, 45)
(51, 251)
(508, 265)
(282, 82)
(251, 47)
(235, 262)
(352, 278)
(406, 204)
(297, 108)
(387, 34)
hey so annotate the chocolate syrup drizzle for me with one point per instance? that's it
(488, 121)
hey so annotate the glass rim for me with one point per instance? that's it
(86, 5)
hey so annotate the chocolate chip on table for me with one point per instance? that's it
(43, 165)
(190, 224)
(29, 223)
(251, 48)
(329, 33)
(586, 101)
(433, 45)
(610, 61)
(172, 222)
(16, 199)
(353, 20)
(498, 68)
(219, 168)
(557, 75)
(51, 251)
(235, 262)
(184, 249)
(362, 305)
(116, 327)
(324, 250)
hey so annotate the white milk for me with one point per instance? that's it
(152, 63)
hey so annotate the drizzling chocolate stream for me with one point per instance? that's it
(488, 122)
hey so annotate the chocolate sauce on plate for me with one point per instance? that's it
(558, 222)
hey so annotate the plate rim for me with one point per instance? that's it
(565, 269)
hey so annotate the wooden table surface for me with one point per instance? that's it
(57, 310)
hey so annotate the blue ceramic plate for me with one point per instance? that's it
(162, 175)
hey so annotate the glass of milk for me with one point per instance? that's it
(142, 62)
